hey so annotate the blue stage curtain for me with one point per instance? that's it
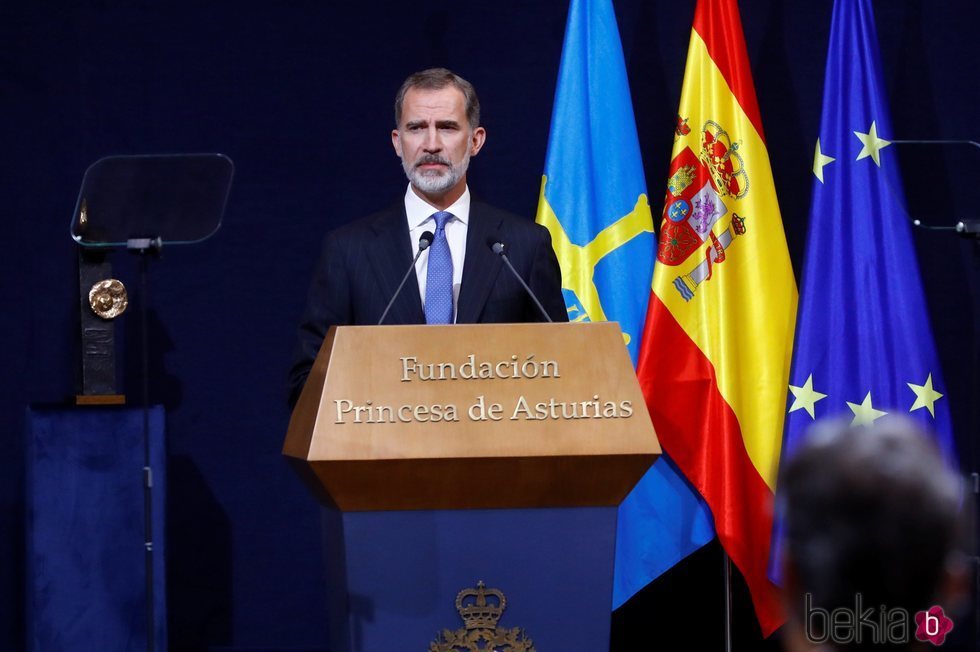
(86, 567)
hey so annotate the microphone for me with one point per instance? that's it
(424, 241)
(499, 248)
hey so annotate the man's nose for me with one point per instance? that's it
(432, 142)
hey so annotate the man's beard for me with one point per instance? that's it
(435, 181)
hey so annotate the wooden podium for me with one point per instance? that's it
(449, 455)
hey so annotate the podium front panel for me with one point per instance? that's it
(466, 416)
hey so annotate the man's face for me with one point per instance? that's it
(434, 139)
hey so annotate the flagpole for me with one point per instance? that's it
(728, 600)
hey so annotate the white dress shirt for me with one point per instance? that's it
(420, 220)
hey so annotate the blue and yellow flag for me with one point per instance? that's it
(594, 203)
(864, 347)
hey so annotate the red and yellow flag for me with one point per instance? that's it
(716, 353)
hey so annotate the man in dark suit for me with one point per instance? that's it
(458, 278)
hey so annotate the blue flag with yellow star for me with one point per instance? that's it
(864, 347)
(594, 202)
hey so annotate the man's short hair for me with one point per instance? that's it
(435, 79)
(871, 510)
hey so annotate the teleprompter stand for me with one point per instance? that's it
(935, 206)
(141, 203)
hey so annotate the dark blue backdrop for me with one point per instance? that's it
(299, 94)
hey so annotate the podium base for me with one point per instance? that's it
(393, 577)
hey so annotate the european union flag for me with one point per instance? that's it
(864, 347)
(594, 203)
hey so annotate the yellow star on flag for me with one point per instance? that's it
(820, 160)
(804, 398)
(864, 414)
(871, 144)
(925, 396)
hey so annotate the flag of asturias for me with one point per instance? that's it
(594, 203)
(864, 346)
(715, 357)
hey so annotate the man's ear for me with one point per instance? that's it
(477, 139)
(396, 142)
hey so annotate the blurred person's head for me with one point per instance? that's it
(870, 511)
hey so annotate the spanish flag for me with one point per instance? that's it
(715, 357)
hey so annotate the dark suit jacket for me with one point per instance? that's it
(363, 262)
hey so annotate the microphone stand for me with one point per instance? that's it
(424, 241)
(499, 248)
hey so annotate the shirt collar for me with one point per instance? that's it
(418, 210)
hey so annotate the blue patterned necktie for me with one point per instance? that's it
(439, 275)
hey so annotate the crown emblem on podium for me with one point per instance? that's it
(481, 609)
(476, 611)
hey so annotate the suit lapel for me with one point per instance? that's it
(481, 266)
(390, 257)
